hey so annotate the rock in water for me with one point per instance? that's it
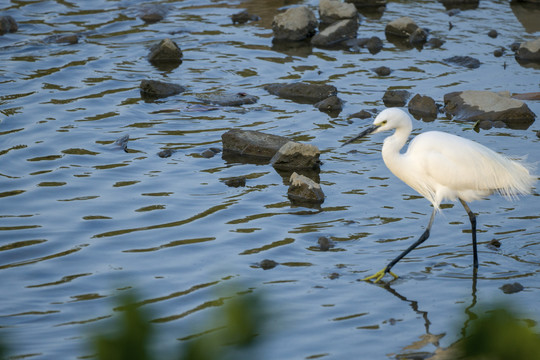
(294, 155)
(166, 51)
(295, 24)
(303, 190)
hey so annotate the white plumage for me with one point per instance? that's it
(441, 166)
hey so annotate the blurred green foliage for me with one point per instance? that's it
(236, 326)
(500, 335)
(130, 336)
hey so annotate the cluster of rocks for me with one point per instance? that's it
(485, 108)
(338, 23)
(298, 163)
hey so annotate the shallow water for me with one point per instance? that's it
(82, 221)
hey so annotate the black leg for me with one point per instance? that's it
(472, 218)
(422, 238)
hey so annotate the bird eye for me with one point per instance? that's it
(383, 122)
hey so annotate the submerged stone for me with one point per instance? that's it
(302, 92)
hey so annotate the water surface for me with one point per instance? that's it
(82, 221)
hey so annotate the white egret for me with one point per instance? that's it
(441, 166)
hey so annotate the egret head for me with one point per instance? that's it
(388, 119)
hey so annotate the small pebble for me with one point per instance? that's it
(382, 70)
(515, 46)
(122, 142)
(166, 153)
(324, 243)
(493, 34)
(239, 181)
(512, 288)
(333, 276)
(363, 114)
(208, 153)
(267, 264)
(495, 243)
(498, 52)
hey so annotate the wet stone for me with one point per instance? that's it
(363, 114)
(466, 61)
(166, 153)
(153, 13)
(460, 4)
(294, 155)
(237, 181)
(434, 43)
(302, 92)
(496, 244)
(304, 191)
(515, 46)
(419, 36)
(295, 24)
(153, 89)
(228, 99)
(333, 10)
(252, 143)
(402, 27)
(268, 264)
(374, 44)
(474, 105)
(8, 24)
(382, 71)
(424, 107)
(166, 51)
(122, 142)
(333, 276)
(63, 39)
(511, 288)
(243, 17)
(210, 153)
(498, 52)
(333, 104)
(529, 51)
(325, 243)
(493, 34)
(396, 98)
(367, 3)
(336, 33)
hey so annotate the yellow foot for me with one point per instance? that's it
(379, 275)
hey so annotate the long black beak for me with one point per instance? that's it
(368, 131)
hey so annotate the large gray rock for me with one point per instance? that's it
(294, 155)
(295, 24)
(333, 10)
(303, 190)
(474, 105)
(339, 31)
(529, 51)
(252, 143)
(302, 92)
